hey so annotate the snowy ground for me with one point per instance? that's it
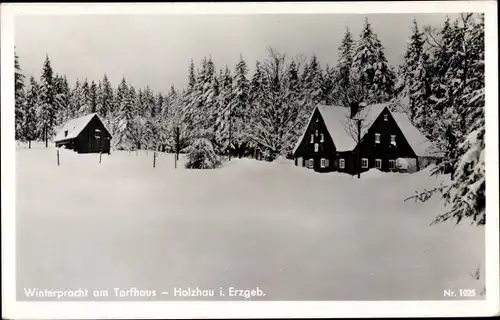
(294, 233)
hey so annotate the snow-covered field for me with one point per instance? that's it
(294, 233)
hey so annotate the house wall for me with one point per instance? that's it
(70, 144)
(87, 142)
(385, 151)
(368, 148)
(326, 149)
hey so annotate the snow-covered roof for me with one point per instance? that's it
(337, 121)
(416, 139)
(74, 127)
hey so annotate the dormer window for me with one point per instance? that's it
(377, 137)
(316, 147)
(322, 138)
(393, 139)
(312, 138)
(66, 133)
(386, 117)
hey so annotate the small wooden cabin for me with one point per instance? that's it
(86, 134)
(330, 140)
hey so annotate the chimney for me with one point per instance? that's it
(356, 108)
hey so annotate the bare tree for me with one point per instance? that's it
(278, 117)
(355, 124)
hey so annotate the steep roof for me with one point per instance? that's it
(337, 121)
(416, 139)
(74, 127)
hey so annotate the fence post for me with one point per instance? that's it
(154, 159)
(100, 154)
(58, 157)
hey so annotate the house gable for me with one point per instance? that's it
(316, 127)
(384, 149)
(73, 128)
(94, 123)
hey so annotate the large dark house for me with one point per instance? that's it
(86, 134)
(386, 140)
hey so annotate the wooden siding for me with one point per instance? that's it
(368, 147)
(326, 149)
(384, 150)
(86, 142)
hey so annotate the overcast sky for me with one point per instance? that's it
(156, 50)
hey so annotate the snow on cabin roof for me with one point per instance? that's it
(416, 139)
(337, 121)
(74, 127)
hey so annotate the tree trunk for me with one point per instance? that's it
(358, 165)
(29, 144)
(46, 138)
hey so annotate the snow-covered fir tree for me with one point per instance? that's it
(63, 97)
(149, 129)
(371, 68)
(413, 61)
(344, 65)
(20, 98)
(191, 98)
(76, 101)
(106, 98)
(297, 101)
(171, 116)
(239, 107)
(123, 135)
(312, 84)
(93, 97)
(29, 124)
(466, 76)
(328, 86)
(47, 110)
(224, 122)
(86, 103)
(202, 155)
(457, 58)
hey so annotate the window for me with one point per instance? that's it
(364, 163)
(66, 133)
(377, 137)
(392, 164)
(393, 139)
(317, 119)
(386, 117)
(321, 138)
(323, 163)
(327, 163)
(316, 147)
(311, 163)
(300, 162)
(312, 138)
(341, 163)
(378, 163)
(316, 132)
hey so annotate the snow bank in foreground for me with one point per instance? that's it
(295, 233)
(376, 173)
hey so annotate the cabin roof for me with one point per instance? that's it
(416, 139)
(75, 126)
(337, 121)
